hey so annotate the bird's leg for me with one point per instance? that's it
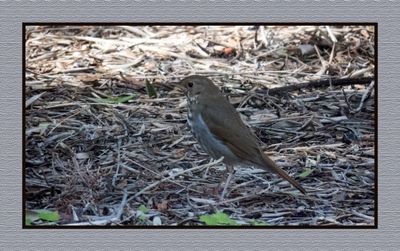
(227, 181)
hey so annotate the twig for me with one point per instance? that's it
(317, 84)
(331, 35)
(363, 98)
(118, 162)
(172, 176)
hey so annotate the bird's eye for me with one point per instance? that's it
(190, 84)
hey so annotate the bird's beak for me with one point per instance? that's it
(181, 86)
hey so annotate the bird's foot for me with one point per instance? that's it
(224, 191)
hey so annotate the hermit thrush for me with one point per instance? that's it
(220, 131)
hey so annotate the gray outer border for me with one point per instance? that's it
(13, 13)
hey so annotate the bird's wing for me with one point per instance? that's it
(221, 121)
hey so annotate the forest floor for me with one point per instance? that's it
(106, 139)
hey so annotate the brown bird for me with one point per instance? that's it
(220, 131)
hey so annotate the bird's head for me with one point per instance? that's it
(196, 85)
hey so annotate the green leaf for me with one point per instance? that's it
(142, 208)
(254, 222)
(141, 213)
(28, 220)
(48, 215)
(217, 219)
(114, 100)
(124, 99)
(142, 217)
(150, 90)
(306, 172)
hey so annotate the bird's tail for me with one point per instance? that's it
(267, 162)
